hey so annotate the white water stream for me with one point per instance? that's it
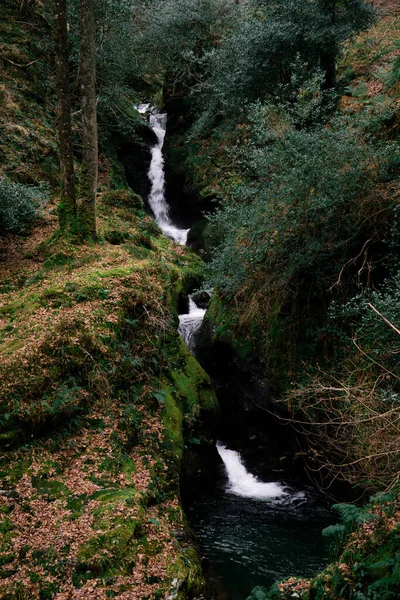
(189, 323)
(242, 483)
(157, 201)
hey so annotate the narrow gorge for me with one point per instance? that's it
(253, 530)
(199, 300)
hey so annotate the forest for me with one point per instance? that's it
(200, 299)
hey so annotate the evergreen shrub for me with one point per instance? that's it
(20, 205)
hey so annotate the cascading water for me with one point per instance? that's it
(252, 532)
(242, 483)
(157, 201)
(189, 323)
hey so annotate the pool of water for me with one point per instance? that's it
(248, 541)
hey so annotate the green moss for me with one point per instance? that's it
(77, 506)
(191, 385)
(16, 591)
(51, 489)
(189, 392)
(13, 472)
(187, 571)
(115, 272)
(58, 259)
(48, 591)
(122, 198)
(7, 533)
(172, 420)
(108, 498)
(113, 551)
(116, 237)
(7, 559)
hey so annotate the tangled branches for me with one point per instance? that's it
(352, 430)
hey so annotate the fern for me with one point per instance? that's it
(335, 532)
(258, 593)
(352, 515)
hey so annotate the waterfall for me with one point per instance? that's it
(243, 483)
(190, 323)
(157, 201)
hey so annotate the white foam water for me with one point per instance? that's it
(142, 108)
(157, 201)
(242, 483)
(189, 323)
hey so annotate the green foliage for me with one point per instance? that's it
(118, 71)
(303, 212)
(20, 205)
(351, 516)
(261, 56)
(177, 36)
(297, 210)
(367, 550)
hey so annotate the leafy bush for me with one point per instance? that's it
(178, 34)
(293, 204)
(259, 58)
(20, 205)
(368, 568)
(298, 208)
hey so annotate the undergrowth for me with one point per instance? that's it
(96, 386)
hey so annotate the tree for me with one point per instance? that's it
(260, 58)
(339, 19)
(177, 36)
(67, 206)
(329, 50)
(89, 168)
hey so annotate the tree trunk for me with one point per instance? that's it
(328, 66)
(67, 206)
(88, 178)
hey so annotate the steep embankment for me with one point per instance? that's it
(27, 97)
(305, 255)
(96, 386)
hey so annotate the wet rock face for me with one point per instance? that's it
(135, 156)
(202, 298)
(247, 404)
(136, 159)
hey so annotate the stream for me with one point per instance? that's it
(252, 531)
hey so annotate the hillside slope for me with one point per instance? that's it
(96, 386)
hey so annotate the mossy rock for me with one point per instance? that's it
(125, 198)
(202, 298)
(116, 237)
(196, 238)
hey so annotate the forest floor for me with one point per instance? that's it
(95, 385)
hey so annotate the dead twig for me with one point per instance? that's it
(384, 318)
(14, 64)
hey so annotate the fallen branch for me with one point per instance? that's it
(384, 318)
(14, 64)
(351, 261)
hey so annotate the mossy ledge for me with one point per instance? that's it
(96, 389)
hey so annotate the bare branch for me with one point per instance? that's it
(384, 318)
(14, 64)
